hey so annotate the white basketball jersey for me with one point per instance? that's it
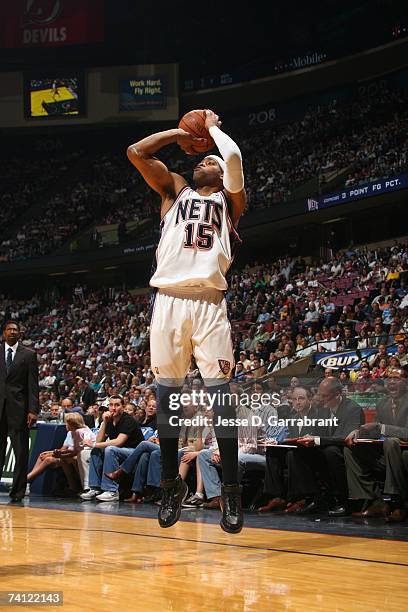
(197, 242)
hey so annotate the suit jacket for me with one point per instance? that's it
(350, 417)
(19, 387)
(394, 427)
(88, 397)
(89, 420)
(307, 430)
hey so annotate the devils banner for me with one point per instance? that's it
(46, 23)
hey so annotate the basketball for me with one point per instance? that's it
(193, 122)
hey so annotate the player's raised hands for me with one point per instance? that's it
(186, 141)
(211, 119)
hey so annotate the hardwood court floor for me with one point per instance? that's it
(121, 563)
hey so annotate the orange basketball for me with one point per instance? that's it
(194, 123)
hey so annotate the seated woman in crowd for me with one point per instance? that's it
(70, 456)
(381, 370)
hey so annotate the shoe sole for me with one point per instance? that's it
(228, 529)
(177, 517)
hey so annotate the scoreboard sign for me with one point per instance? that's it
(142, 93)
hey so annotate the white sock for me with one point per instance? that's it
(200, 495)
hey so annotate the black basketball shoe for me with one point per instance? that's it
(175, 492)
(231, 505)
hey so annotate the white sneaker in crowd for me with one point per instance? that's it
(108, 496)
(89, 494)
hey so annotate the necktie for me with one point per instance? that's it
(9, 359)
(394, 409)
(333, 426)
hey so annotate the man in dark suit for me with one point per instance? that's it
(19, 404)
(276, 457)
(86, 395)
(366, 463)
(322, 453)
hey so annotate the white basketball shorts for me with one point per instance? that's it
(185, 324)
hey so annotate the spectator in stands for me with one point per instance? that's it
(86, 394)
(344, 378)
(349, 341)
(118, 435)
(321, 449)
(379, 336)
(68, 457)
(364, 379)
(364, 461)
(382, 369)
(393, 363)
(312, 315)
(149, 419)
(250, 456)
(276, 458)
(374, 360)
(364, 340)
(402, 355)
(144, 463)
(131, 409)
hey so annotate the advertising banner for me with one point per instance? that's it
(142, 93)
(346, 360)
(50, 23)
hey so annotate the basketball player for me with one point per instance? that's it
(189, 313)
(55, 89)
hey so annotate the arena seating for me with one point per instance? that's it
(281, 313)
(365, 140)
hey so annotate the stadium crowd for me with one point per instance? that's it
(24, 179)
(367, 138)
(94, 360)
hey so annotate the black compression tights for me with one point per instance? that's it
(169, 434)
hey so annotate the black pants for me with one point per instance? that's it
(20, 445)
(368, 463)
(274, 485)
(307, 465)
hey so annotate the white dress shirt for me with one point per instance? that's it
(13, 348)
